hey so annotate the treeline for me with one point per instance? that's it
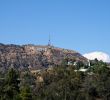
(58, 83)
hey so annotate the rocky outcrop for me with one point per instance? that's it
(32, 56)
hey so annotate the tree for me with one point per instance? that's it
(26, 93)
(11, 85)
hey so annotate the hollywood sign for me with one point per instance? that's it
(41, 49)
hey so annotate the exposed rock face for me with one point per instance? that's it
(32, 56)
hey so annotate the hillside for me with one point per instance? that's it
(34, 56)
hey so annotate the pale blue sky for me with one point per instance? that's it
(82, 25)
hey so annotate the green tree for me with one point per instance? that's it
(11, 86)
(26, 93)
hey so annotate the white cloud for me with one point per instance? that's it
(99, 55)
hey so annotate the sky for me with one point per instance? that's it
(81, 25)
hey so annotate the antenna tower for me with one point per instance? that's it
(49, 42)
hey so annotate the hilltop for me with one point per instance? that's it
(51, 73)
(34, 56)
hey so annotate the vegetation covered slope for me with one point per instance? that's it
(62, 82)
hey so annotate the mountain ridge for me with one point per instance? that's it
(34, 56)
